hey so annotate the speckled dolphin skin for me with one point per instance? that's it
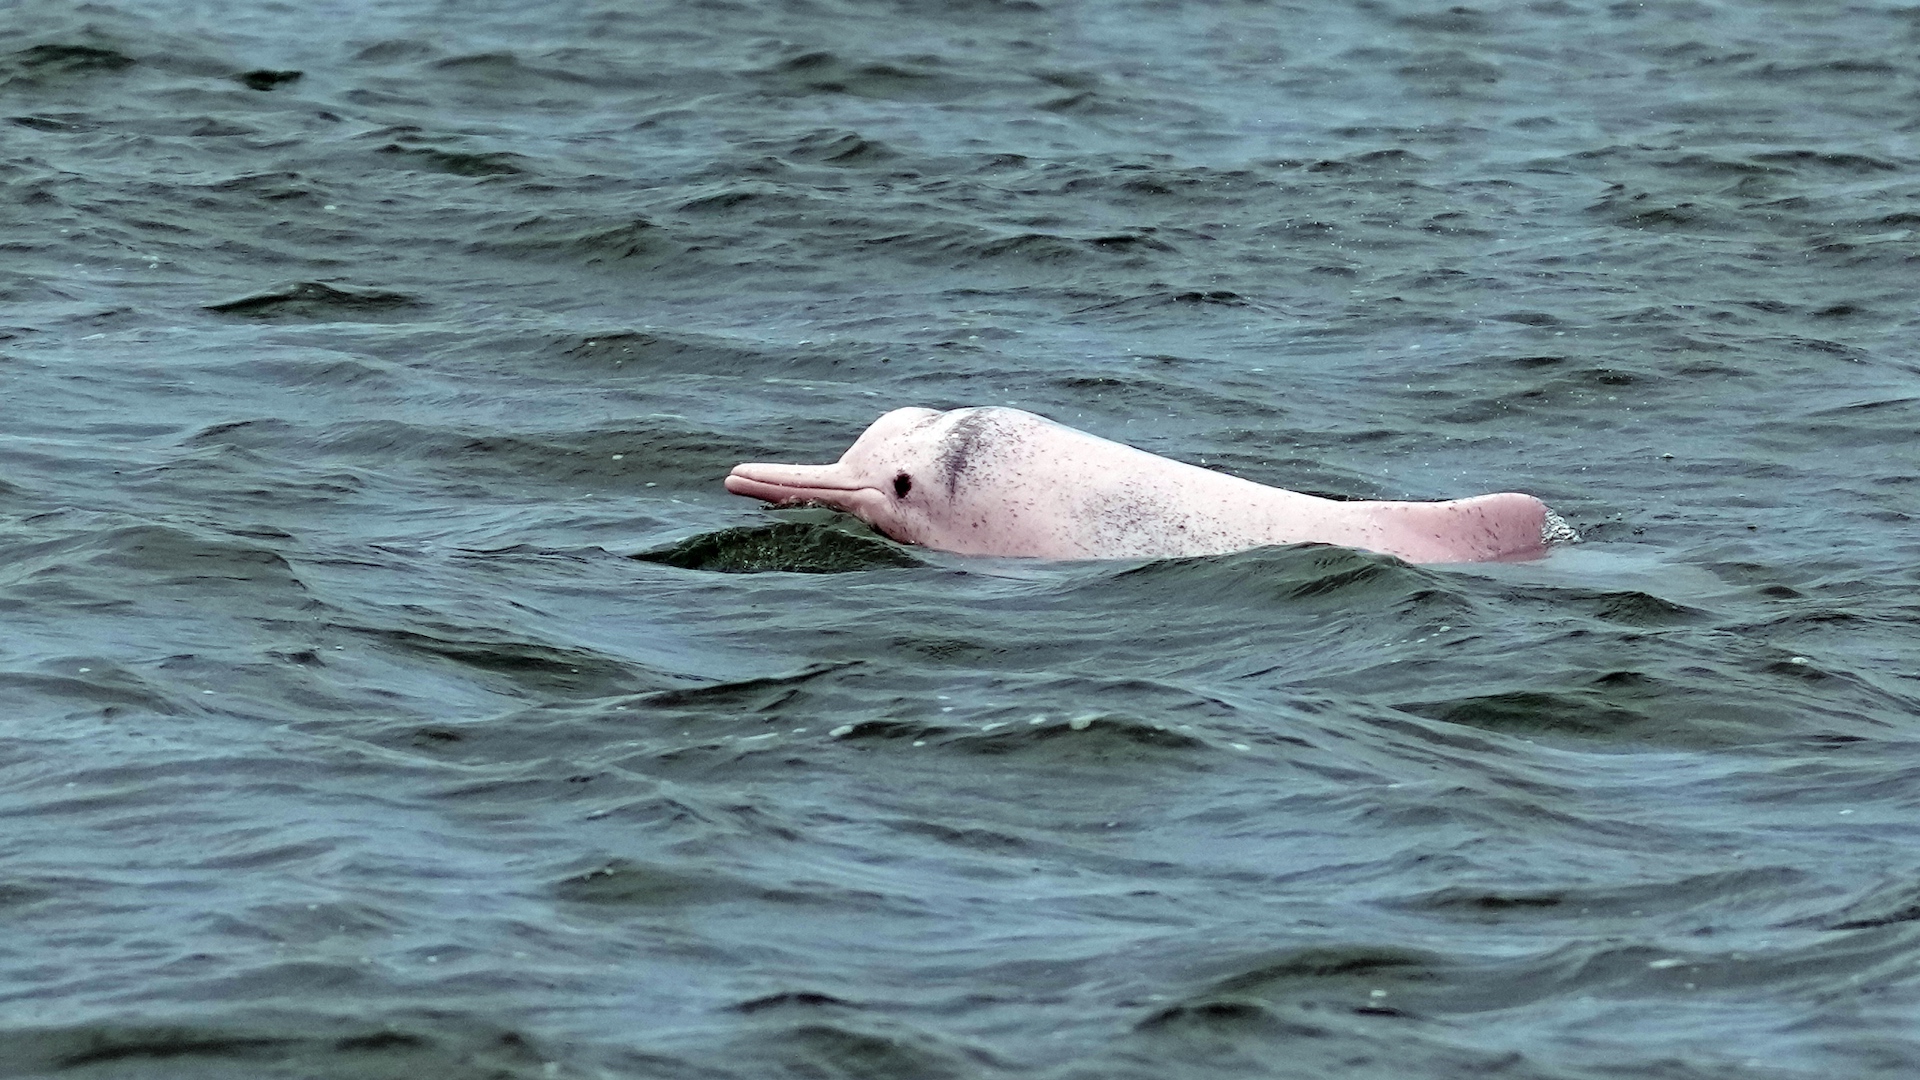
(996, 481)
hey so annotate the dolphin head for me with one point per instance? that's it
(887, 478)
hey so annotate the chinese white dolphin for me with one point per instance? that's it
(996, 481)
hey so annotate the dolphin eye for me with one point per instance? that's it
(902, 484)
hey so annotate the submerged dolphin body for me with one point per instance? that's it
(995, 481)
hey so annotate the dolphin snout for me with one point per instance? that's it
(785, 485)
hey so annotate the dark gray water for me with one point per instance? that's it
(350, 351)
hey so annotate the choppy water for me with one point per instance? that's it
(350, 351)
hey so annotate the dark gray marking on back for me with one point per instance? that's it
(960, 446)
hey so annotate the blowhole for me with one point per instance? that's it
(902, 484)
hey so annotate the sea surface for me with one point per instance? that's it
(390, 689)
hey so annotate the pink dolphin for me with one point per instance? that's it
(993, 481)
